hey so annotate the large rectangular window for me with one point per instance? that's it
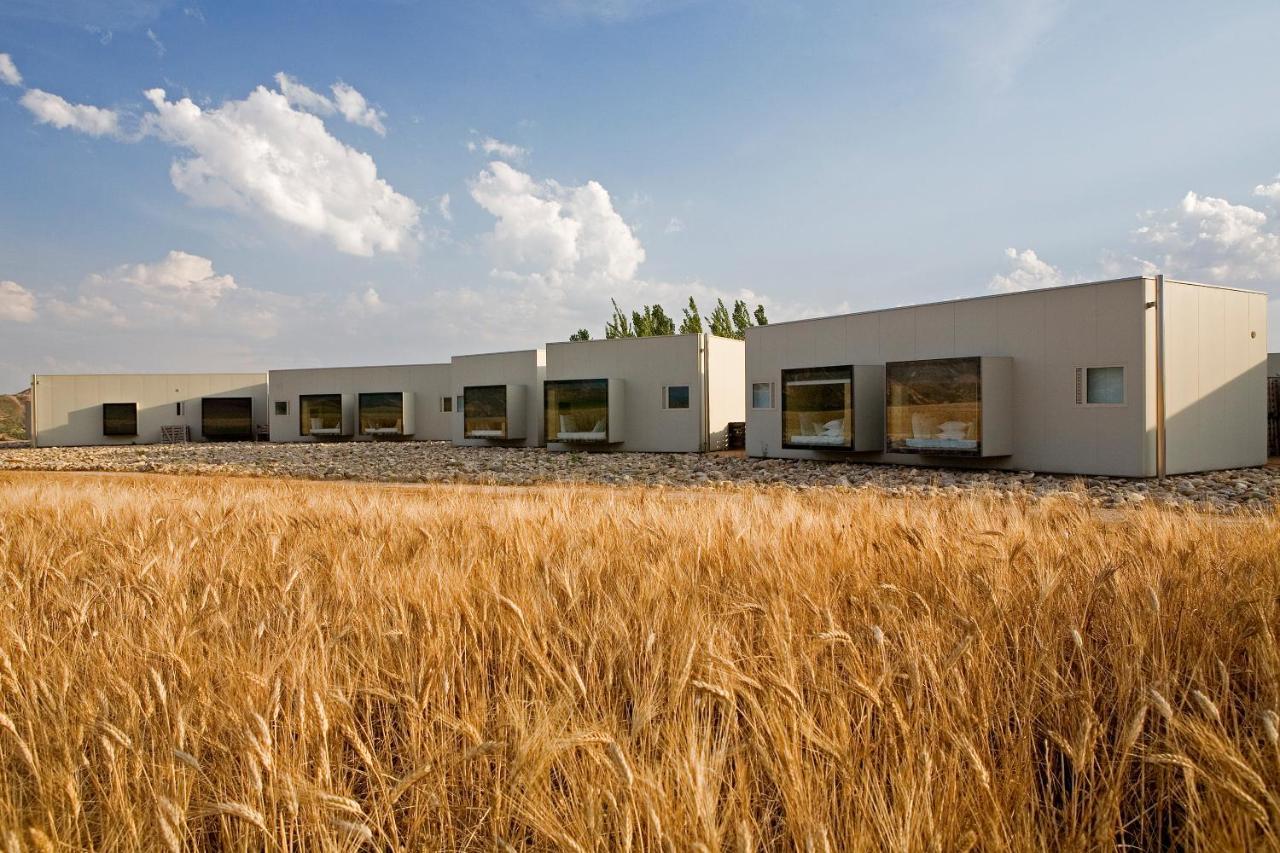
(227, 418)
(320, 414)
(934, 406)
(382, 413)
(577, 409)
(119, 419)
(1104, 386)
(484, 411)
(817, 407)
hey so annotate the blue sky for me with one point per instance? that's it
(815, 157)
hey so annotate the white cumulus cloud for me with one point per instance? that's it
(1027, 271)
(491, 147)
(346, 101)
(356, 109)
(554, 231)
(1211, 239)
(8, 71)
(53, 109)
(260, 154)
(16, 303)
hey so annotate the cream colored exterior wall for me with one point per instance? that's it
(67, 409)
(726, 369)
(1048, 333)
(645, 366)
(428, 383)
(521, 367)
(1215, 377)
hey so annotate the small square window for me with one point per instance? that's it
(457, 403)
(446, 404)
(762, 395)
(1103, 386)
(178, 409)
(675, 397)
(282, 407)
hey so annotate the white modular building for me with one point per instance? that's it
(410, 401)
(1134, 377)
(675, 393)
(146, 408)
(497, 398)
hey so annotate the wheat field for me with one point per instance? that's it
(204, 663)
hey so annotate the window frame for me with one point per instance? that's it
(446, 405)
(666, 398)
(119, 433)
(782, 408)
(479, 391)
(772, 397)
(280, 408)
(1081, 385)
(304, 413)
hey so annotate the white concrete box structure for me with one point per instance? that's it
(674, 393)
(135, 408)
(343, 403)
(1133, 377)
(497, 398)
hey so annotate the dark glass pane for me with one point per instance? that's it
(382, 413)
(484, 411)
(817, 407)
(320, 414)
(934, 406)
(677, 396)
(227, 418)
(577, 410)
(119, 418)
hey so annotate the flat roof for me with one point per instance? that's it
(1008, 294)
(501, 352)
(357, 367)
(169, 373)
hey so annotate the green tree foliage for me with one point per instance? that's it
(692, 323)
(741, 319)
(720, 323)
(652, 322)
(619, 326)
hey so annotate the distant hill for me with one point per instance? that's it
(13, 415)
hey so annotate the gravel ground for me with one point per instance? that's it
(439, 462)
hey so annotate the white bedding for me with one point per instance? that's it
(827, 440)
(485, 433)
(581, 436)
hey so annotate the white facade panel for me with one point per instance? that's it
(1046, 334)
(640, 371)
(525, 369)
(67, 410)
(422, 387)
(1215, 387)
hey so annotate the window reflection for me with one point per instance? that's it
(934, 406)
(382, 413)
(817, 407)
(484, 411)
(577, 409)
(227, 418)
(320, 414)
(119, 418)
